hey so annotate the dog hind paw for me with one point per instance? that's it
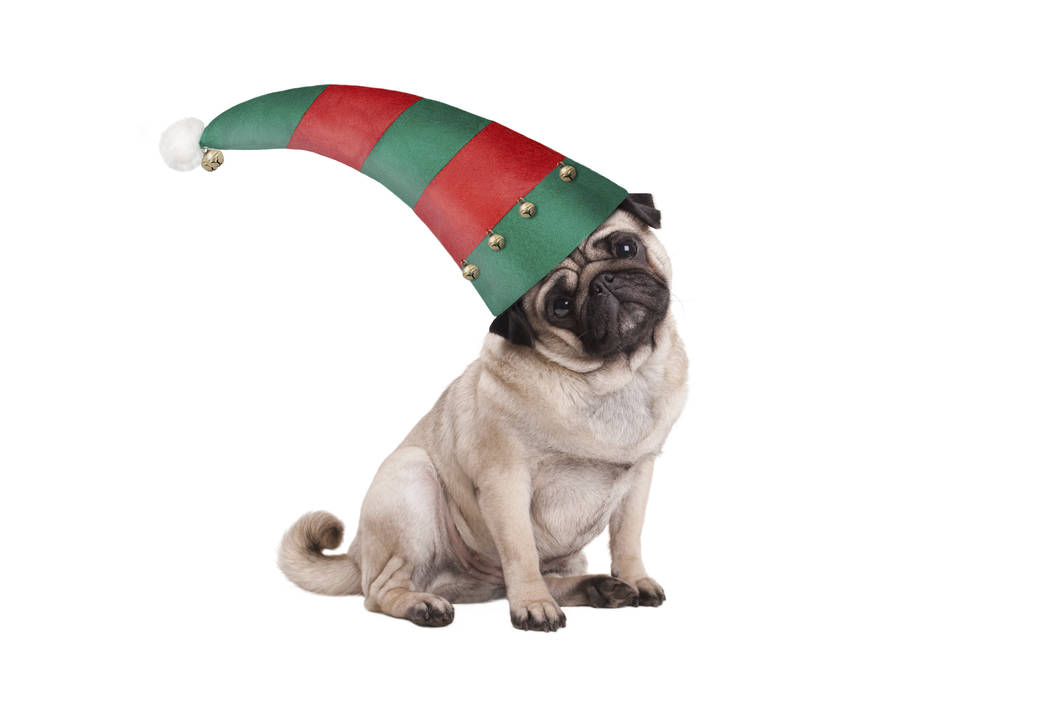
(432, 611)
(610, 592)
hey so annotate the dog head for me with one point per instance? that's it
(606, 300)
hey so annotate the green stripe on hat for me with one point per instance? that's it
(265, 122)
(566, 213)
(418, 144)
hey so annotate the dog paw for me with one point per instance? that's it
(650, 592)
(431, 611)
(543, 615)
(609, 592)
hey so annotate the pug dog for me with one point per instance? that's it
(546, 439)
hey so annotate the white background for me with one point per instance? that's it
(852, 508)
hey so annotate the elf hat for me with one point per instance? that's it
(506, 208)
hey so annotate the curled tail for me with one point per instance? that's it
(303, 561)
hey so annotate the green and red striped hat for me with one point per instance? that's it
(506, 208)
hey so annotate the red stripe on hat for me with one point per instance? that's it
(346, 121)
(481, 183)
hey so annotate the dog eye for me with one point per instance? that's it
(625, 249)
(562, 307)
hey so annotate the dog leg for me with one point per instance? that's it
(595, 590)
(504, 498)
(625, 537)
(457, 587)
(391, 593)
(399, 538)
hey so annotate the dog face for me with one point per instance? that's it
(606, 299)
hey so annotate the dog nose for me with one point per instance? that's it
(600, 287)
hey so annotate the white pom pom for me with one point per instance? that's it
(180, 144)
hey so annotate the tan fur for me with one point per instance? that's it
(523, 460)
(302, 560)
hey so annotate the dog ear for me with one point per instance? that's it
(641, 206)
(513, 324)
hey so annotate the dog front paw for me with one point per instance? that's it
(543, 615)
(650, 592)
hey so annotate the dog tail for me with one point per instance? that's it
(303, 561)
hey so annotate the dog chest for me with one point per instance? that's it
(624, 417)
(572, 500)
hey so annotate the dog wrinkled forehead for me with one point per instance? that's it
(633, 218)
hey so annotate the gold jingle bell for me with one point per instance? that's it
(470, 272)
(527, 209)
(496, 241)
(211, 160)
(567, 173)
